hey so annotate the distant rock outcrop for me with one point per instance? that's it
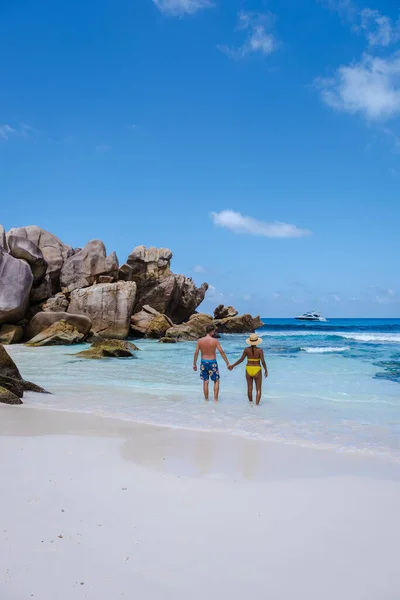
(239, 324)
(108, 305)
(85, 267)
(193, 329)
(224, 312)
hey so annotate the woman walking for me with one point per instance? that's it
(255, 358)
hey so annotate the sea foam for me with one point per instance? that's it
(324, 349)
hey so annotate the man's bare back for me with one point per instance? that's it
(208, 347)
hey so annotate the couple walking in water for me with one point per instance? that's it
(208, 346)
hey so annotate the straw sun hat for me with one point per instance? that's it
(253, 340)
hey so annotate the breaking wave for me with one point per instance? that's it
(323, 350)
(371, 337)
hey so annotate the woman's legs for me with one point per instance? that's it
(258, 380)
(249, 387)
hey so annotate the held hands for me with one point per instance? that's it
(230, 367)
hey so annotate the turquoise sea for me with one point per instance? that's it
(332, 385)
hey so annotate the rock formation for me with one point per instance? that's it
(11, 334)
(54, 251)
(223, 312)
(7, 397)
(47, 284)
(41, 291)
(3, 243)
(60, 333)
(125, 273)
(193, 329)
(44, 320)
(20, 247)
(85, 267)
(173, 295)
(109, 349)
(108, 305)
(239, 324)
(149, 323)
(15, 285)
(57, 303)
(196, 326)
(12, 385)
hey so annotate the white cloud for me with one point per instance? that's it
(242, 224)
(178, 8)
(259, 39)
(22, 131)
(370, 87)
(386, 297)
(247, 297)
(382, 295)
(379, 29)
(6, 131)
(346, 9)
(213, 295)
(199, 269)
(383, 300)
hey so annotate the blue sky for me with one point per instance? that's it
(259, 140)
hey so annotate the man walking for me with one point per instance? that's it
(208, 347)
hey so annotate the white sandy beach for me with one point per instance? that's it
(100, 509)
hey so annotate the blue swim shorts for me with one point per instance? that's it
(209, 368)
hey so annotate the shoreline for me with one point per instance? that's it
(383, 457)
(182, 445)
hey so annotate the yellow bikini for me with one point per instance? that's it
(252, 371)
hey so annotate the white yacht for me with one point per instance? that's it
(311, 316)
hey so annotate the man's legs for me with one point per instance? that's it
(205, 388)
(216, 390)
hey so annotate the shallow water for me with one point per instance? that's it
(333, 385)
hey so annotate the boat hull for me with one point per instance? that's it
(309, 319)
